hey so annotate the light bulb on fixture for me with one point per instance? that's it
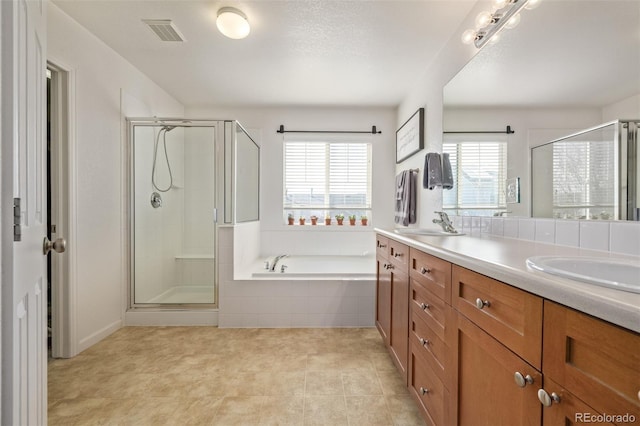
(513, 22)
(232, 23)
(499, 4)
(468, 36)
(483, 19)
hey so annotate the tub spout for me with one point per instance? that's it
(276, 260)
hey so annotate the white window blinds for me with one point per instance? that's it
(326, 175)
(583, 176)
(479, 170)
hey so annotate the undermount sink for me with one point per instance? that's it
(618, 274)
(434, 232)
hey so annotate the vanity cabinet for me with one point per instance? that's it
(481, 352)
(383, 289)
(429, 321)
(498, 335)
(392, 305)
(590, 362)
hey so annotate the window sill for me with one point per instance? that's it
(327, 228)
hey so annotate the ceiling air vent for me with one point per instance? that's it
(164, 29)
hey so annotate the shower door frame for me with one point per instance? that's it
(220, 143)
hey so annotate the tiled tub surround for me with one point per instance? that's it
(614, 236)
(504, 259)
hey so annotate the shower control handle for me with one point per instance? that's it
(59, 245)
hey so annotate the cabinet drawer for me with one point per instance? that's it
(399, 255)
(512, 316)
(596, 361)
(428, 307)
(426, 341)
(382, 246)
(570, 410)
(427, 389)
(433, 273)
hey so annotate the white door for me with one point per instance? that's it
(24, 354)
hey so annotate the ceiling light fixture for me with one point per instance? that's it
(489, 24)
(232, 23)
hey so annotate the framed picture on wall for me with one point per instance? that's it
(410, 136)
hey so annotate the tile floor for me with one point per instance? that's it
(210, 376)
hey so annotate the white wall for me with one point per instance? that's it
(624, 109)
(100, 77)
(276, 237)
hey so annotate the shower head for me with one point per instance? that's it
(168, 128)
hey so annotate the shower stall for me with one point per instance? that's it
(183, 181)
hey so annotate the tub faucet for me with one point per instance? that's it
(445, 223)
(276, 260)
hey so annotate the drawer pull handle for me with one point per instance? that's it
(425, 270)
(480, 304)
(388, 266)
(423, 391)
(423, 342)
(547, 399)
(424, 306)
(521, 380)
(382, 245)
(397, 254)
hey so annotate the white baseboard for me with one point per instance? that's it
(94, 338)
(169, 318)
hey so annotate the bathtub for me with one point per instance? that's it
(314, 291)
(318, 267)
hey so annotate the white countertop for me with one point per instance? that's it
(504, 259)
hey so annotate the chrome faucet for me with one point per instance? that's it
(446, 224)
(276, 260)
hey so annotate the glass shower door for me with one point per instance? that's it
(173, 227)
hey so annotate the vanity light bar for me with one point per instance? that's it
(497, 21)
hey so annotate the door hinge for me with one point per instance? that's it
(17, 229)
(215, 215)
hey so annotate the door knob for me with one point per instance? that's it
(59, 245)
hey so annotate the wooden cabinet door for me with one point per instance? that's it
(569, 410)
(399, 339)
(596, 361)
(383, 298)
(484, 385)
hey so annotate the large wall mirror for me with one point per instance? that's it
(568, 66)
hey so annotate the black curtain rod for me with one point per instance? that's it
(508, 131)
(372, 131)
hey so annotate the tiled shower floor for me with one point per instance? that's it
(211, 376)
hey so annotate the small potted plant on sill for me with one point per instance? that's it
(290, 219)
(327, 219)
(339, 218)
(364, 220)
(314, 220)
(302, 219)
(352, 219)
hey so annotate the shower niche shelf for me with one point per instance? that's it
(194, 256)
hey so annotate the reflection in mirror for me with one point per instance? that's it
(567, 66)
(576, 177)
(247, 177)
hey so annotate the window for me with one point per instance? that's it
(325, 178)
(479, 172)
(583, 179)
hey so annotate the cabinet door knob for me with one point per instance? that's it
(423, 391)
(480, 304)
(547, 399)
(423, 342)
(521, 380)
(424, 270)
(424, 306)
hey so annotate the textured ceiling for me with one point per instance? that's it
(298, 53)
